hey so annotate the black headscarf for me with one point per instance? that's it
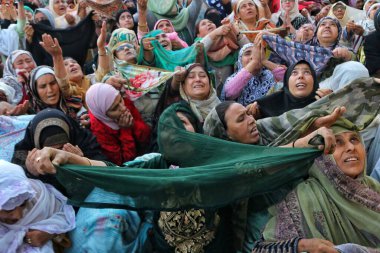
(371, 47)
(283, 101)
(44, 128)
(75, 41)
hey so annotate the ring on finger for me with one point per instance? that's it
(28, 240)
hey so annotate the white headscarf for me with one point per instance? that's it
(350, 14)
(294, 13)
(46, 210)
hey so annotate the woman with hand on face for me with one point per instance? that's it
(248, 18)
(17, 69)
(63, 19)
(116, 123)
(251, 81)
(289, 16)
(33, 215)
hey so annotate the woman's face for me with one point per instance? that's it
(164, 40)
(339, 10)
(368, 5)
(241, 127)
(373, 12)
(205, 27)
(287, 5)
(247, 56)
(165, 26)
(12, 216)
(116, 109)
(305, 32)
(247, 11)
(350, 154)
(60, 7)
(39, 16)
(301, 81)
(126, 52)
(126, 21)
(25, 62)
(73, 70)
(48, 90)
(186, 122)
(327, 32)
(197, 84)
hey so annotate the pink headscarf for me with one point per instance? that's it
(173, 35)
(99, 98)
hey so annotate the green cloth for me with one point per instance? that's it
(168, 9)
(329, 205)
(230, 59)
(361, 99)
(168, 60)
(216, 172)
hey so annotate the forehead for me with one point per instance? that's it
(161, 35)
(23, 57)
(126, 13)
(197, 69)
(307, 26)
(248, 49)
(163, 23)
(302, 66)
(70, 60)
(236, 110)
(347, 134)
(204, 21)
(45, 78)
(245, 3)
(328, 21)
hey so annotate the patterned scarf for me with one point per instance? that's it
(106, 8)
(329, 205)
(257, 87)
(293, 52)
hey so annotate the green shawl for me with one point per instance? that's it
(168, 60)
(163, 9)
(329, 205)
(216, 172)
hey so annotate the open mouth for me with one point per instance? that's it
(351, 159)
(300, 86)
(254, 132)
(198, 86)
(73, 70)
(165, 44)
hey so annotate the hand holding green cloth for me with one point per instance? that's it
(215, 172)
(169, 9)
(237, 171)
(329, 205)
(361, 99)
(168, 59)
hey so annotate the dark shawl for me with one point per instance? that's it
(74, 41)
(283, 101)
(372, 52)
(85, 140)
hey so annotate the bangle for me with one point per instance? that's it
(142, 25)
(293, 143)
(89, 161)
(100, 54)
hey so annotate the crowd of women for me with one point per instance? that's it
(190, 126)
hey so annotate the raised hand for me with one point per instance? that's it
(51, 45)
